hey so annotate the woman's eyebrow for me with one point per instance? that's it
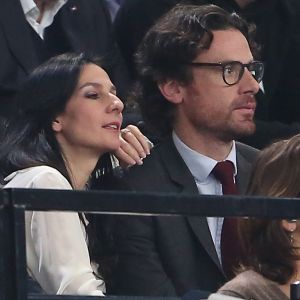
(99, 85)
(94, 84)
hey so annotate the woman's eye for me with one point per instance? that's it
(92, 95)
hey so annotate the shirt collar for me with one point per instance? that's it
(27, 5)
(200, 165)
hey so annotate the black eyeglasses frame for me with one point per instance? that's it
(223, 65)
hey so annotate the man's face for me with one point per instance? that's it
(209, 106)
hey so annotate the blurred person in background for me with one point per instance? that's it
(271, 260)
(32, 31)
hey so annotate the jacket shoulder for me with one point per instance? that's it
(246, 150)
(154, 173)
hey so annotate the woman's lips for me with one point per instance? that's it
(113, 126)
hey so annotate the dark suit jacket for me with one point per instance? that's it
(86, 27)
(167, 256)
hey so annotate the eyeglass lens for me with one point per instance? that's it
(233, 71)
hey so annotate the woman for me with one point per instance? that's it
(271, 260)
(69, 119)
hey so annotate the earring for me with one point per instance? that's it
(290, 229)
(291, 235)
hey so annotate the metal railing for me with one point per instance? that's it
(14, 203)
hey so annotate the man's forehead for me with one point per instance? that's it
(227, 45)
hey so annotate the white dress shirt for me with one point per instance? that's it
(201, 166)
(56, 247)
(32, 12)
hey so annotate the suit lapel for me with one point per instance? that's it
(76, 21)
(200, 228)
(16, 30)
(69, 14)
(184, 180)
(243, 174)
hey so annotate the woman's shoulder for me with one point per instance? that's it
(252, 285)
(37, 177)
(245, 279)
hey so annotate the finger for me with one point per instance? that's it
(131, 151)
(132, 139)
(125, 160)
(141, 139)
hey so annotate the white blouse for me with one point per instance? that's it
(56, 247)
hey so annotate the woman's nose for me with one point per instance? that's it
(117, 104)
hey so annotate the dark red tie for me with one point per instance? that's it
(230, 247)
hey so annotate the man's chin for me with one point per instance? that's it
(240, 132)
(244, 132)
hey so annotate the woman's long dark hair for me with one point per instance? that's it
(28, 138)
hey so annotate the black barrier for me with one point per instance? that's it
(295, 291)
(167, 204)
(3, 253)
(52, 297)
(7, 247)
(14, 202)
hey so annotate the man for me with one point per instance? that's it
(277, 23)
(197, 83)
(31, 31)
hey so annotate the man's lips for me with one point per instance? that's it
(247, 103)
(249, 106)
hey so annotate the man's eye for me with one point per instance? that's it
(228, 70)
(92, 95)
(252, 69)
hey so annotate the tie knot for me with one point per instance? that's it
(224, 171)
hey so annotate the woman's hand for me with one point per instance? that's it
(134, 147)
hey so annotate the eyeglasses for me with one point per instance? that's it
(233, 71)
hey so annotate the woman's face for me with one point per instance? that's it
(93, 115)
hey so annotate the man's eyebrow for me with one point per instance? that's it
(232, 60)
(113, 89)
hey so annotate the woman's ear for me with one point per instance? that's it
(57, 124)
(171, 90)
(289, 225)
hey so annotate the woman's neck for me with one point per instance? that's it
(80, 168)
(80, 174)
(80, 161)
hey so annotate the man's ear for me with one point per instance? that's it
(171, 90)
(57, 124)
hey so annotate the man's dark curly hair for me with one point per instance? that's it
(178, 38)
